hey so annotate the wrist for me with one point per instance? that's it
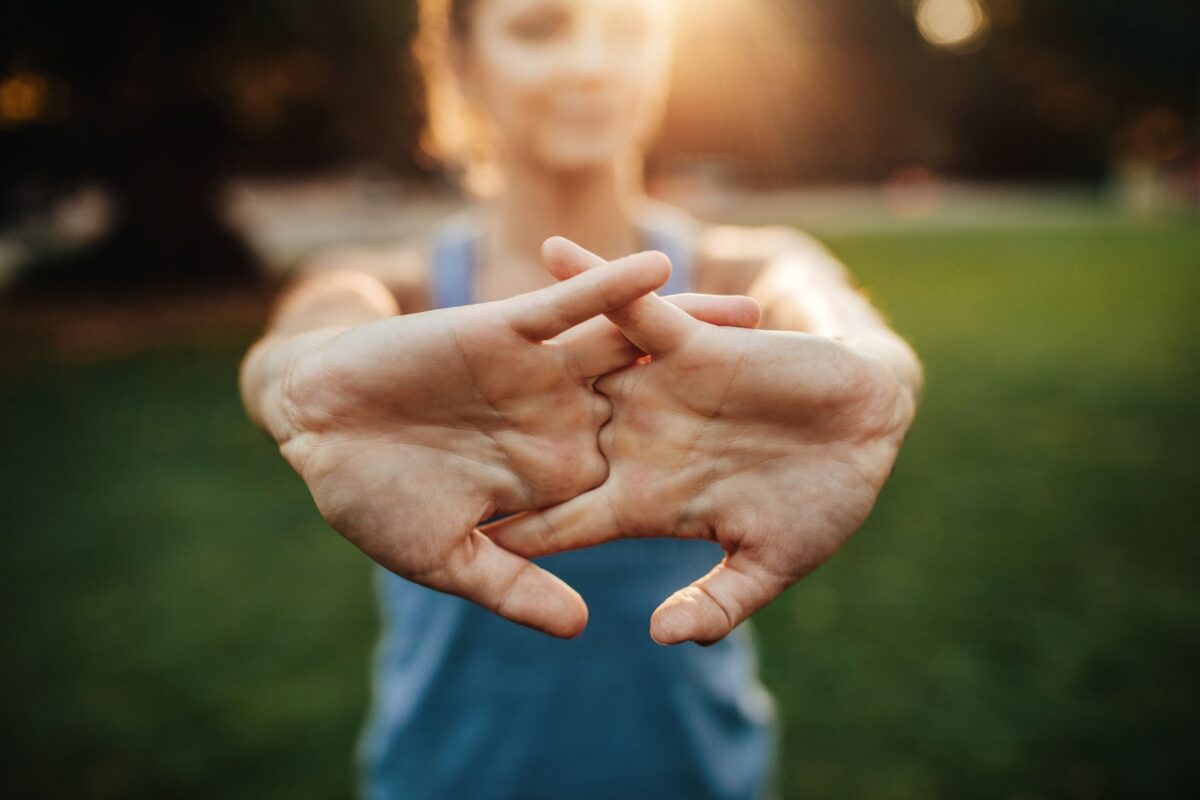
(903, 365)
(312, 310)
(266, 377)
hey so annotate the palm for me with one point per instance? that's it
(708, 424)
(504, 414)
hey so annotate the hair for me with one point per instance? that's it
(456, 136)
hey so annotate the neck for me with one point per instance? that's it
(592, 208)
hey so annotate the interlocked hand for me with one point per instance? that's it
(412, 429)
(774, 444)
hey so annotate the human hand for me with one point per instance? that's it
(774, 444)
(410, 430)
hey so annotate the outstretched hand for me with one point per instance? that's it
(410, 430)
(774, 444)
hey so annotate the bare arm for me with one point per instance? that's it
(801, 286)
(316, 306)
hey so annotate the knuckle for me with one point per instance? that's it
(602, 411)
(612, 385)
(607, 439)
(593, 471)
(511, 588)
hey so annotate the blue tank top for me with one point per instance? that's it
(469, 705)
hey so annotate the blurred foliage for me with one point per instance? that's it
(273, 85)
(1018, 619)
(238, 86)
(158, 102)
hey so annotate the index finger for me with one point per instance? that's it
(545, 313)
(651, 323)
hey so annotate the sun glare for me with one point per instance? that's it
(745, 77)
(956, 25)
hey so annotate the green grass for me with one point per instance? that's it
(1019, 618)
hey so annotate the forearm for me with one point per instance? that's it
(807, 289)
(311, 310)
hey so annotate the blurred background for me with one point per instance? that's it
(1015, 182)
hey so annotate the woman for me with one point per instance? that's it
(756, 451)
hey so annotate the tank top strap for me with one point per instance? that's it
(453, 256)
(676, 244)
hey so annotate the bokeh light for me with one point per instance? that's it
(955, 25)
(22, 97)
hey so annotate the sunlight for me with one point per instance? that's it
(747, 77)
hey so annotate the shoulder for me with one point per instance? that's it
(730, 258)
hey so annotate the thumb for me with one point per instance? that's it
(706, 611)
(513, 587)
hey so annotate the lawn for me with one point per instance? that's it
(1020, 617)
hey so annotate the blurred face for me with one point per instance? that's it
(568, 84)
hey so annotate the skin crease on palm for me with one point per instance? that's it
(411, 429)
(775, 444)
